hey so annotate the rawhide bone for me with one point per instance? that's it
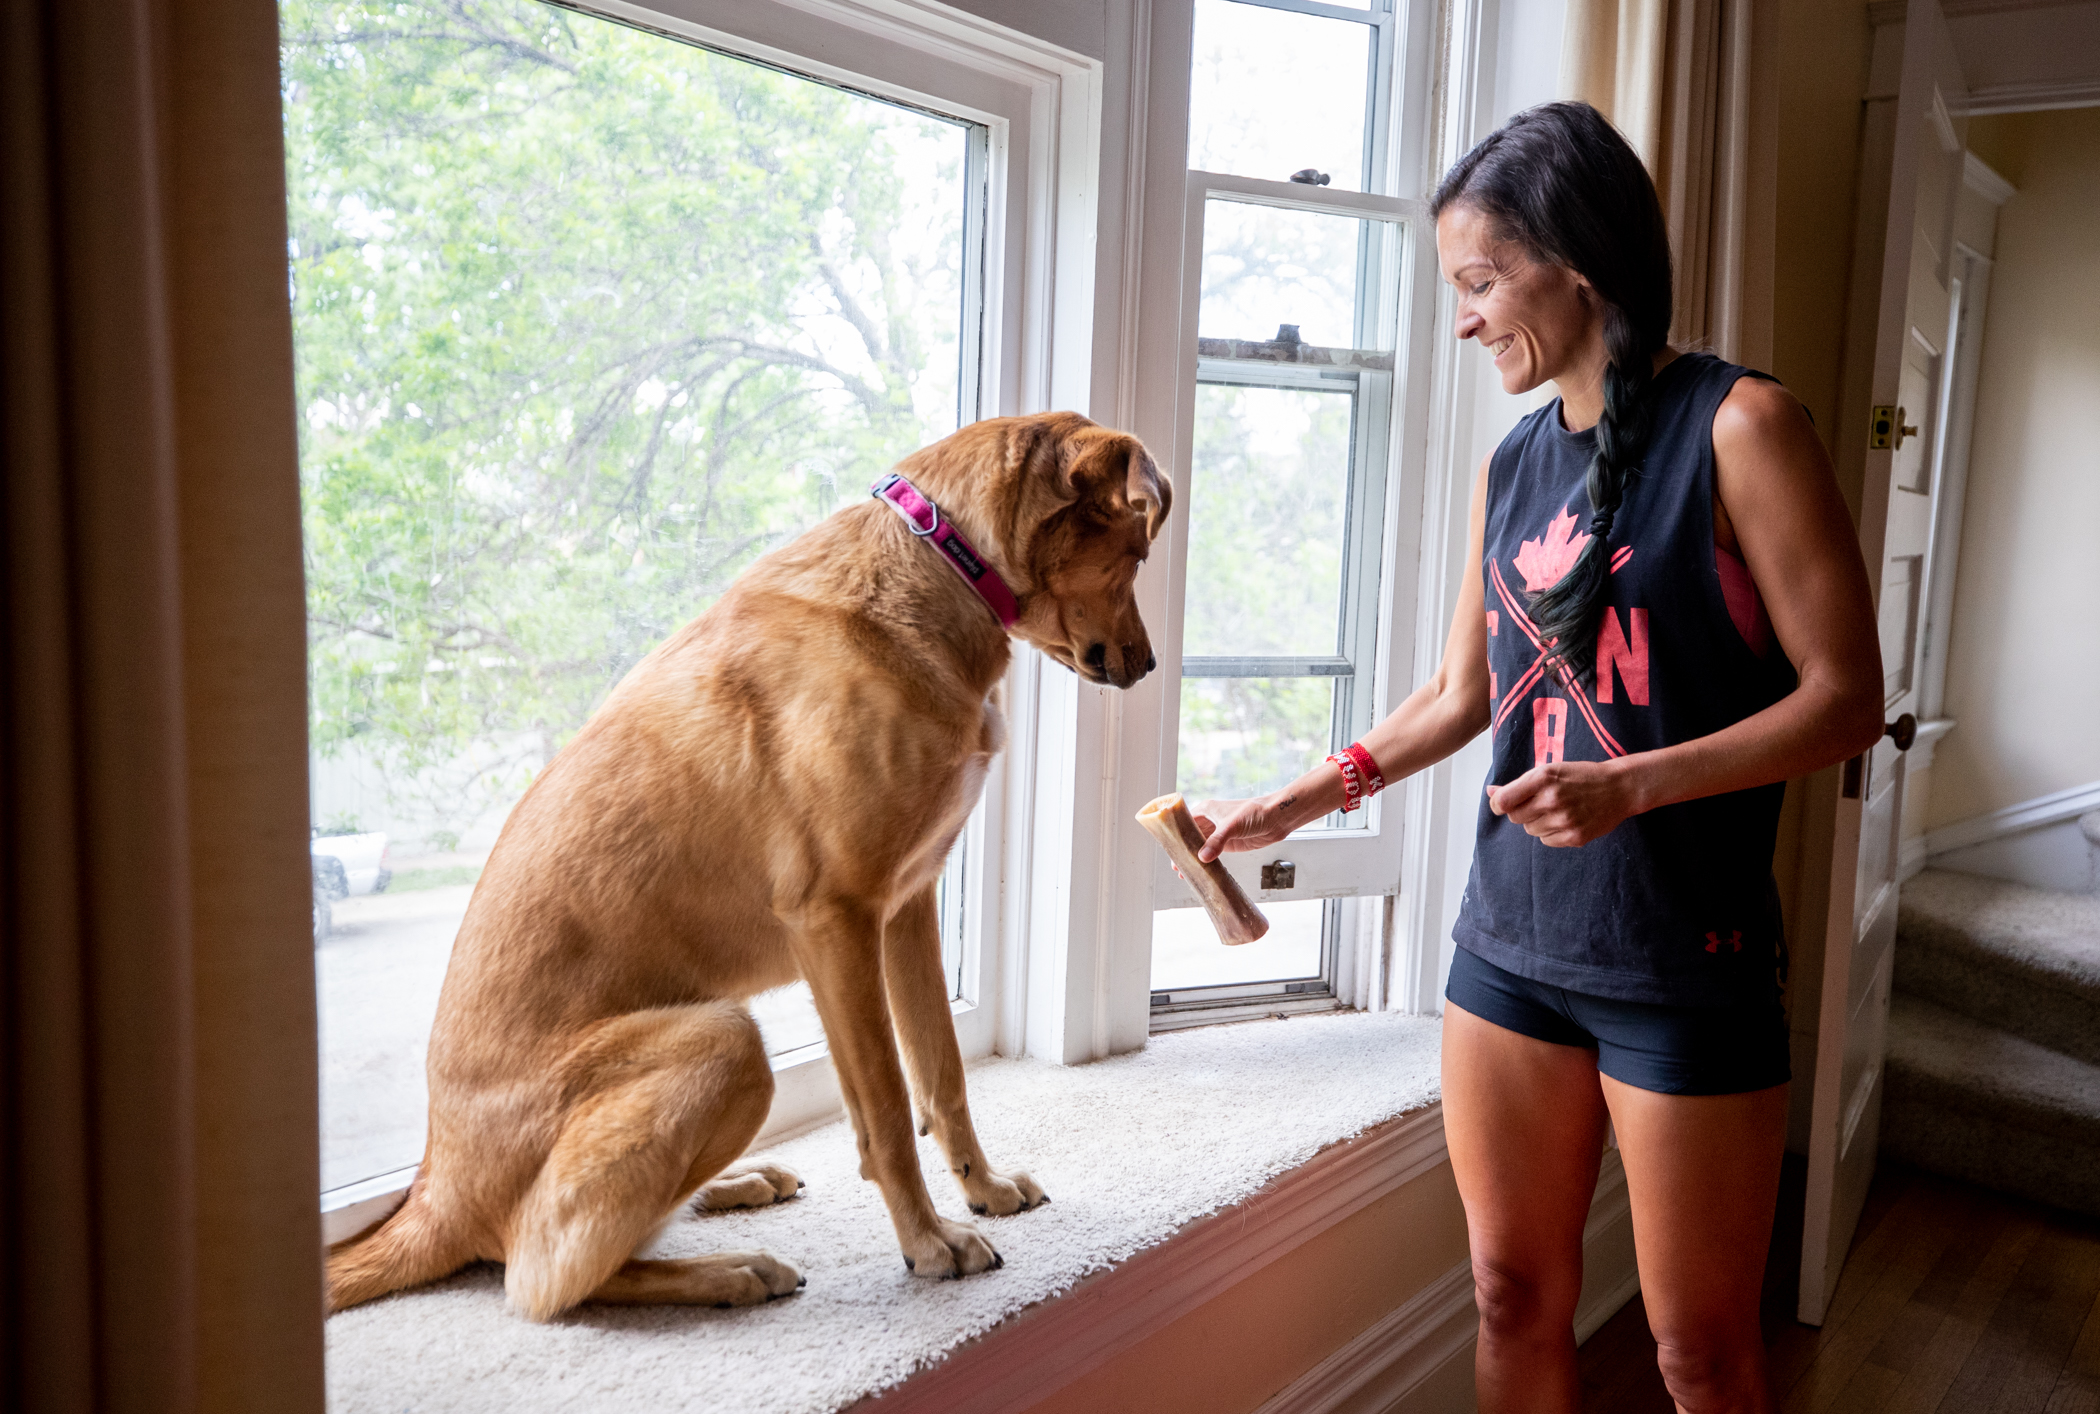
(1231, 912)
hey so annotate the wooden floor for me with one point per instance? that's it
(1954, 1301)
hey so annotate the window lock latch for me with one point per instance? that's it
(1279, 874)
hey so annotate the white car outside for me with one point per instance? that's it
(363, 857)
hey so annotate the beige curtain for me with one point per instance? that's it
(159, 1241)
(1689, 82)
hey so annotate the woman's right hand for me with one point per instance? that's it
(1229, 826)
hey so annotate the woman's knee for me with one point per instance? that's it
(1716, 1370)
(1524, 1303)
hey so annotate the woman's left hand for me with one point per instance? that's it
(1566, 803)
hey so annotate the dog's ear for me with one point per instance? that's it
(1147, 490)
(1114, 470)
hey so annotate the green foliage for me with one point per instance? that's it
(587, 319)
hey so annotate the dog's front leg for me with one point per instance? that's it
(918, 986)
(839, 947)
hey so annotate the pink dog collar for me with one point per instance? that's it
(924, 518)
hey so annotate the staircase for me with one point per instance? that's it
(1994, 1038)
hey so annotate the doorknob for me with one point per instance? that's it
(1903, 731)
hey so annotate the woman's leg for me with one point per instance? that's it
(1703, 1175)
(1525, 1122)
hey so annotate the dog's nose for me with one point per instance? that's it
(1151, 662)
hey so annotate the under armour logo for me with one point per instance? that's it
(1715, 942)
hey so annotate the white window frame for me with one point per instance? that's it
(1364, 864)
(1042, 108)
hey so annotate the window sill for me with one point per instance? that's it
(1136, 1150)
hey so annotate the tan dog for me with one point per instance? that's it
(769, 795)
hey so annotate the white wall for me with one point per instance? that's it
(2023, 668)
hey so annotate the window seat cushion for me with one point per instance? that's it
(1130, 1149)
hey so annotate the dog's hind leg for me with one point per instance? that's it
(661, 1101)
(918, 991)
(755, 1186)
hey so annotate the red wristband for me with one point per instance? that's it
(1352, 781)
(1367, 767)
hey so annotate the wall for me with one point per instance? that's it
(1822, 76)
(2022, 671)
(1236, 1351)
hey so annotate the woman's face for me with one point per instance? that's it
(1539, 321)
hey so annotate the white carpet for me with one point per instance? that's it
(1129, 1149)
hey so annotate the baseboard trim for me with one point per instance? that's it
(1068, 1336)
(2014, 819)
(1376, 1371)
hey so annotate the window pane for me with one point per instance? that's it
(1186, 951)
(1272, 92)
(1242, 737)
(1272, 275)
(1268, 503)
(587, 319)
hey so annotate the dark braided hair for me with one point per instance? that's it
(1559, 181)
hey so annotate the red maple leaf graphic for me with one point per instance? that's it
(1543, 561)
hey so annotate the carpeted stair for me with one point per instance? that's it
(1994, 1037)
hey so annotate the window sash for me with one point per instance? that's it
(1377, 174)
(1362, 857)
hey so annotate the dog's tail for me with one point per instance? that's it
(408, 1248)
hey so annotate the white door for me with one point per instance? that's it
(1914, 146)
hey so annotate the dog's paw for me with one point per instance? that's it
(758, 1186)
(753, 1278)
(994, 1194)
(951, 1249)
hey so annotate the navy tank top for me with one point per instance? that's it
(1676, 906)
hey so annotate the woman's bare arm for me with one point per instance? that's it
(1780, 498)
(1436, 719)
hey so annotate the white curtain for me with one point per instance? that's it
(1688, 83)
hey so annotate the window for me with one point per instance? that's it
(587, 318)
(1305, 273)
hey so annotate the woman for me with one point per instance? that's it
(1670, 620)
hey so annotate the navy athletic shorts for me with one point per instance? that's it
(1672, 1050)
